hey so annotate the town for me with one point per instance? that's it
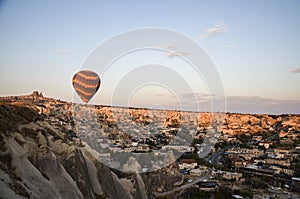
(255, 156)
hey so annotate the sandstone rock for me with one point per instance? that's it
(127, 184)
(141, 189)
(41, 139)
(5, 186)
(19, 138)
(121, 192)
(92, 173)
(132, 165)
(40, 186)
(58, 146)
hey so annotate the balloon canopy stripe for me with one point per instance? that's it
(86, 80)
(87, 76)
(86, 91)
(89, 84)
(84, 95)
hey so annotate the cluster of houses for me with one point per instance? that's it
(277, 160)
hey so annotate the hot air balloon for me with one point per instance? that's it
(86, 83)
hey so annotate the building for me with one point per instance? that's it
(178, 148)
(282, 153)
(288, 171)
(187, 164)
(247, 154)
(207, 186)
(265, 144)
(195, 172)
(237, 162)
(276, 161)
(232, 176)
(257, 138)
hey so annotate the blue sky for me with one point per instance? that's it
(257, 52)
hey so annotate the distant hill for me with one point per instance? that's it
(228, 123)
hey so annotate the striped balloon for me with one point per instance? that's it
(86, 83)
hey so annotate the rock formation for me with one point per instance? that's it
(37, 161)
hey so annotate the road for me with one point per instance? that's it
(216, 158)
(270, 138)
(204, 149)
(162, 194)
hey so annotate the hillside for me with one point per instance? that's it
(37, 161)
(228, 123)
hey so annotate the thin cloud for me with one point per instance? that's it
(257, 104)
(177, 54)
(196, 96)
(296, 70)
(173, 51)
(63, 51)
(218, 28)
(248, 100)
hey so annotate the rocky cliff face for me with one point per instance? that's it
(38, 161)
(228, 123)
(260, 123)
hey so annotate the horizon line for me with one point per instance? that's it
(146, 108)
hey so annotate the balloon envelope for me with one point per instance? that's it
(86, 83)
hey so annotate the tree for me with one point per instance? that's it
(223, 193)
(258, 184)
